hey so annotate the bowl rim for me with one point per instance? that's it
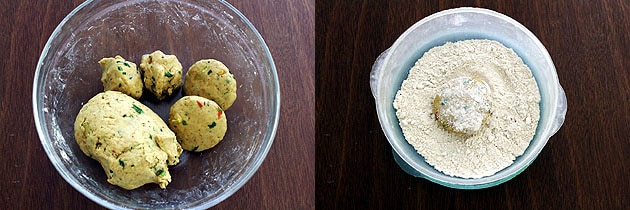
(457, 182)
(42, 130)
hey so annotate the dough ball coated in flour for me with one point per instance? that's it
(211, 79)
(462, 106)
(121, 75)
(198, 122)
(162, 73)
(132, 143)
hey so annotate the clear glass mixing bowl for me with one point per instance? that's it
(393, 66)
(68, 74)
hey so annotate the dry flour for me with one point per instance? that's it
(513, 113)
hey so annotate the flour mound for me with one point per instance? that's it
(509, 128)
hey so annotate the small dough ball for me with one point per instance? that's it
(198, 123)
(212, 80)
(132, 143)
(162, 73)
(462, 106)
(121, 75)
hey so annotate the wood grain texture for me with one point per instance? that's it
(583, 166)
(285, 180)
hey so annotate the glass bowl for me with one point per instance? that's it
(68, 74)
(393, 66)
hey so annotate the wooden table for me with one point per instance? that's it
(285, 180)
(584, 166)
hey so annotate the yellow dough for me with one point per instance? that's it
(211, 79)
(131, 142)
(162, 73)
(198, 122)
(121, 75)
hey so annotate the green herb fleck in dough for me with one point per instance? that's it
(212, 125)
(119, 68)
(136, 108)
(184, 122)
(121, 162)
(168, 74)
(160, 172)
(195, 148)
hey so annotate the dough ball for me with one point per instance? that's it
(121, 75)
(162, 73)
(132, 143)
(462, 106)
(212, 80)
(198, 122)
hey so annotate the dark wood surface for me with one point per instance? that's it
(285, 180)
(584, 166)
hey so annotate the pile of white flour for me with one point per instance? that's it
(514, 113)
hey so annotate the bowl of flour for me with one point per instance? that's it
(467, 98)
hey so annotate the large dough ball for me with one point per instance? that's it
(131, 142)
(162, 73)
(211, 79)
(121, 75)
(198, 122)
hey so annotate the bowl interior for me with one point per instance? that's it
(451, 26)
(68, 74)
